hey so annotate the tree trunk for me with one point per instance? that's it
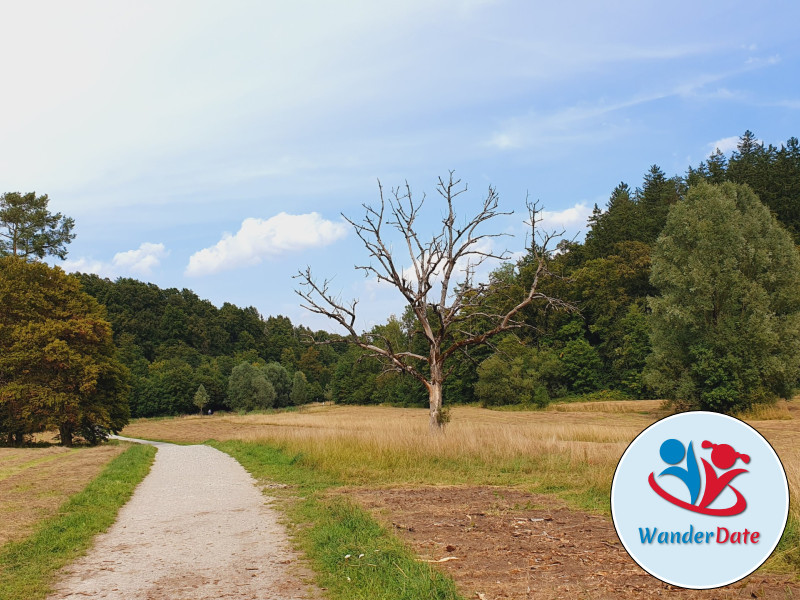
(435, 396)
(65, 432)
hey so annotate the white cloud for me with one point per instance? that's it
(259, 238)
(595, 122)
(505, 140)
(727, 145)
(87, 265)
(569, 218)
(141, 261)
(569, 125)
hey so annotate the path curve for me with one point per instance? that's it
(196, 528)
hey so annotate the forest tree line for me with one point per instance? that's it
(174, 353)
(172, 341)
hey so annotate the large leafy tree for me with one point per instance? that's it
(249, 388)
(726, 328)
(29, 230)
(58, 363)
(281, 382)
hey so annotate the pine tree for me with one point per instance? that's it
(717, 166)
(28, 229)
(653, 200)
(617, 224)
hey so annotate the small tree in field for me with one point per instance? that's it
(439, 286)
(726, 329)
(201, 398)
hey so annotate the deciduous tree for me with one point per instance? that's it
(726, 328)
(201, 398)
(299, 389)
(58, 364)
(249, 388)
(439, 286)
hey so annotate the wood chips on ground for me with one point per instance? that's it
(505, 543)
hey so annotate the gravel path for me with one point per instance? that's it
(196, 528)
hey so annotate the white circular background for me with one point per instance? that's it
(635, 505)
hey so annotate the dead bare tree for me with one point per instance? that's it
(453, 318)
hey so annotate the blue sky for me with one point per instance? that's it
(213, 145)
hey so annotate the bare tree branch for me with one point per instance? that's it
(450, 259)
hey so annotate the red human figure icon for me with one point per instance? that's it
(724, 457)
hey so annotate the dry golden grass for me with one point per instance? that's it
(571, 449)
(34, 482)
(573, 452)
(649, 407)
(767, 412)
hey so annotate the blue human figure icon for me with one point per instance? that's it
(672, 453)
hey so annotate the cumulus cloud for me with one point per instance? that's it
(260, 238)
(141, 261)
(87, 265)
(725, 145)
(569, 218)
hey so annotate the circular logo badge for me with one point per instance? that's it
(699, 500)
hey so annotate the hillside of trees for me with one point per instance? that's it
(184, 354)
(605, 346)
(173, 341)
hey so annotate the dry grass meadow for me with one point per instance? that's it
(34, 482)
(570, 449)
(500, 462)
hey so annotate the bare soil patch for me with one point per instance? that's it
(511, 544)
(34, 482)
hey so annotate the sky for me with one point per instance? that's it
(215, 146)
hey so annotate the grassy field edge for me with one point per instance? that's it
(27, 567)
(353, 556)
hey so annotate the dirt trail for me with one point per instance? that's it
(196, 528)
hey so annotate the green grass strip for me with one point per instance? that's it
(27, 567)
(353, 556)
